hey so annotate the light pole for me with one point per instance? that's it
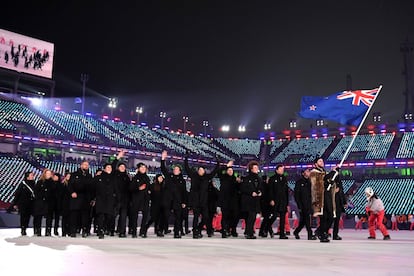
(112, 105)
(242, 128)
(139, 111)
(267, 126)
(84, 78)
(185, 121)
(205, 125)
(162, 116)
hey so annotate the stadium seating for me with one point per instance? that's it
(347, 184)
(375, 146)
(309, 149)
(406, 148)
(241, 146)
(17, 113)
(276, 144)
(140, 135)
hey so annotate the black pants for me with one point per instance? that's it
(304, 221)
(178, 219)
(37, 222)
(229, 219)
(24, 217)
(268, 219)
(121, 226)
(326, 221)
(134, 220)
(203, 211)
(79, 219)
(65, 222)
(250, 220)
(282, 220)
(185, 220)
(104, 222)
(53, 215)
(336, 223)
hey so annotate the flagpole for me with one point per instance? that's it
(357, 132)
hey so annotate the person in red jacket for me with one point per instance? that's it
(375, 210)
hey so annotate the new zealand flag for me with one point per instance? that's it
(346, 107)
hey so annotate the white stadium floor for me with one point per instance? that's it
(354, 255)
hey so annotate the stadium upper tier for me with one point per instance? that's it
(21, 119)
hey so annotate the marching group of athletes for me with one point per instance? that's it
(111, 201)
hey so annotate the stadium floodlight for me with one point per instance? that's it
(162, 116)
(242, 128)
(185, 121)
(376, 117)
(320, 122)
(113, 102)
(267, 126)
(139, 110)
(225, 128)
(293, 123)
(205, 126)
(408, 116)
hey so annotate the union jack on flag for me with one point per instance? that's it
(367, 97)
(345, 107)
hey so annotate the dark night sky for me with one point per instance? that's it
(228, 63)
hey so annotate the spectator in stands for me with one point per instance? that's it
(122, 183)
(303, 198)
(156, 191)
(279, 198)
(80, 188)
(105, 201)
(251, 192)
(340, 201)
(375, 210)
(175, 195)
(43, 191)
(199, 197)
(139, 189)
(229, 200)
(23, 200)
(323, 197)
(411, 219)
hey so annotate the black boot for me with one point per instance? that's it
(197, 234)
(38, 232)
(48, 232)
(56, 232)
(24, 231)
(101, 234)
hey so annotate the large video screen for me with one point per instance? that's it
(26, 54)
